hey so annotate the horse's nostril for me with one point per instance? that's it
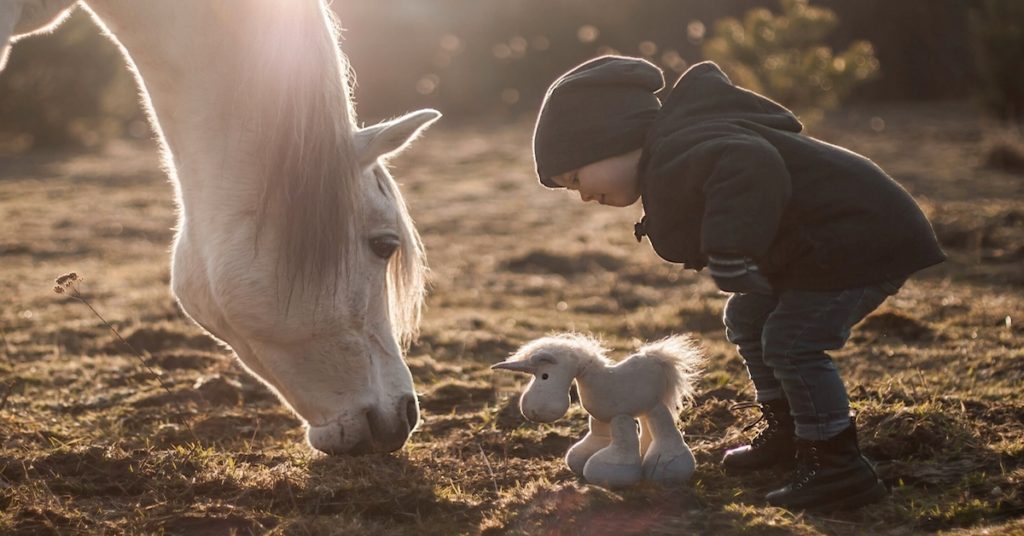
(412, 412)
(389, 434)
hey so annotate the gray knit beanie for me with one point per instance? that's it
(599, 109)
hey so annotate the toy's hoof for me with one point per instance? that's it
(581, 452)
(676, 469)
(612, 475)
(577, 461)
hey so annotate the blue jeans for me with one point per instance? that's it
(783, 339)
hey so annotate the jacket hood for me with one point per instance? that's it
(705, 93)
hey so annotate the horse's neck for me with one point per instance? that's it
(193, 95)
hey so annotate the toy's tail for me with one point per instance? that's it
(681, 357)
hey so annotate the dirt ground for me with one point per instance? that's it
(90, 442)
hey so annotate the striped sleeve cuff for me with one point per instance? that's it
(730, 266)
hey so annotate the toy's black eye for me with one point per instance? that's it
(384, 246)
(544, 376)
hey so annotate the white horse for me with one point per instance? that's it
(293, 244)
(649, 385)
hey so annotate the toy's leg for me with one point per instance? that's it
(618, 464)
(645, 435)
(668, 459)
(596, 439)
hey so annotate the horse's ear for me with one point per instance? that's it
(392, 136)
(19, 18)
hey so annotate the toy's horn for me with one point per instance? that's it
(516, 365)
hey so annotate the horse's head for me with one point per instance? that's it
(327, 343)
(554, 363)
(294, 246)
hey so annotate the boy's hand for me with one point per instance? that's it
(738, 274)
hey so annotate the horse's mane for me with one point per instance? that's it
(305, 124)
(681, 358)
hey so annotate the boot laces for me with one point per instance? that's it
(767, 415)
(807, 463)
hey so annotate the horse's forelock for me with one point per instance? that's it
(304, 125)
(310, 168)
(406, 272)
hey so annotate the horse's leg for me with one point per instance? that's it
(668, 459)
(618, 464)
(645, 435)
(596, 439)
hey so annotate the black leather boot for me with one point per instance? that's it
(771, 446)
(830, 475)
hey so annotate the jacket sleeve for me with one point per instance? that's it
(746, 190)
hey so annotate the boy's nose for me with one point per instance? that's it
(586, 198)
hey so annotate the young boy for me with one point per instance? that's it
(809, 238)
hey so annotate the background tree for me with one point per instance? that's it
(997, 28)
(69, 88)
(785, 57)
(495, 59)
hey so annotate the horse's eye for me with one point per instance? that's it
(544, 376)
(384, 246)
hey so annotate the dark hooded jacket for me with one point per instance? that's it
(725, 171)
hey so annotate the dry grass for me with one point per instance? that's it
(90, 442)
(1005, 150)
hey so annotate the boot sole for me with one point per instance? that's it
(734, 470)
(873, 494)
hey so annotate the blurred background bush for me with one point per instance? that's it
(998, 30)
(494, 59)
(785, 55)
(69, 88)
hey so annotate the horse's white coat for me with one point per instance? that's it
(287, 215)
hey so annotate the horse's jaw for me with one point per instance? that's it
(351, 388)
(351, 403)
(352, 399)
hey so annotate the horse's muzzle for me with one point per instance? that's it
(376, 432)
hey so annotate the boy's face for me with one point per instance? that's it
(613, 181)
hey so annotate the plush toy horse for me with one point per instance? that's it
(649, 385)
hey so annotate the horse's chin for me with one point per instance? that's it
(331, 438)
